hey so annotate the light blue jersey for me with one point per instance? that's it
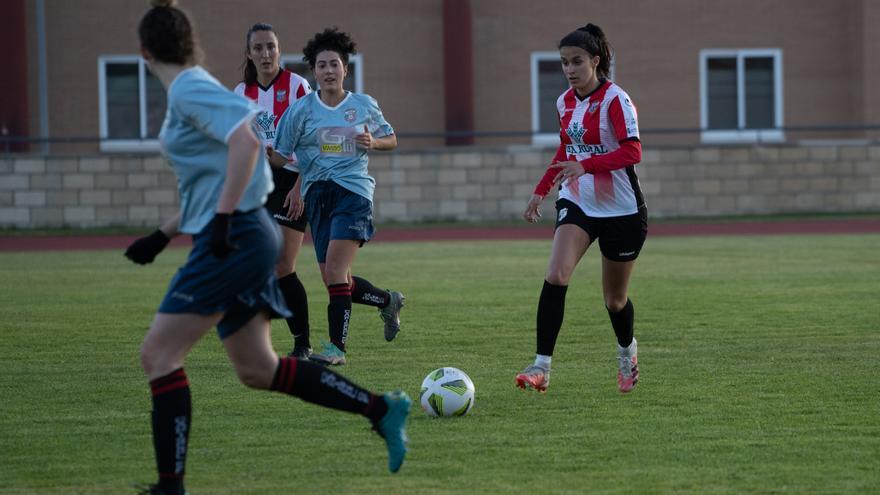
(323, 139)
(201, 116)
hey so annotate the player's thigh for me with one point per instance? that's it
(292, 243)
(340, 256)
(251, 353)
(615, 282)
(570, 242)
(170, 338)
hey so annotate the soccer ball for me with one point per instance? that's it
(447, 392)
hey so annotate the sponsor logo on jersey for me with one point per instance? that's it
(337, 140)
(593, 149)
(280, 95)
(627, 102)
(266, 121)
(351, 115)
(593, 106)
(575, 131)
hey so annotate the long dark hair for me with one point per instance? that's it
(250, 70)
(592, 39)
(330, 39)
(167, 33)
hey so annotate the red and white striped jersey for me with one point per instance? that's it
(592, 127)
(273, 100)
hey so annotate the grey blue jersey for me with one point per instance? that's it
(201, 116)
(322, 138)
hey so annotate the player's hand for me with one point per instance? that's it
(220, 245)
(365, 140)
(145, 249)
(276, 160)
(533, 211)
(567, 170)
(294, 204)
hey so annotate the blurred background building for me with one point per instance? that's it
(466, 78)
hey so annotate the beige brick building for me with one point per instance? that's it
(688, 64)
(746, 106)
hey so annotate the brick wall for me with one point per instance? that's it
(467, 184)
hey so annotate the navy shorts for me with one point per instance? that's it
(241, 284)
(335, 213)
(284, 181)
(620, 238)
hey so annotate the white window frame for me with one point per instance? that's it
(124, 145)
(741, 134)
(357, 59)
(546, 138)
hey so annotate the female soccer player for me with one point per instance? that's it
(331, 132)
(599, 198)
(228, 280)
(274, 89)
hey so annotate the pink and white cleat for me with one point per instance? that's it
(628, 367)
(533, 377)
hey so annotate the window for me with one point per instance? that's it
(548, 82)
(741, 95)
(354, 82)
(132, 104)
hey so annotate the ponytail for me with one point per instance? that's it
(592, 39)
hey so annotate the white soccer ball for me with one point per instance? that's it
(447, 392)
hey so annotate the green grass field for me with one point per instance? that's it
(758, 360)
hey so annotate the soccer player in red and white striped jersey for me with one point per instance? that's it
(274, 89)
(599, 199)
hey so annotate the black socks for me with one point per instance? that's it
(172, 416)
(319, 385)
(297, 300)
(551, 308)
(622, 321)
(339, 313)
(363, 292)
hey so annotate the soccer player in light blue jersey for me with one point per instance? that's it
(331, 132)
(228, 281)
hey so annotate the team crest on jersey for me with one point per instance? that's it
(280, 95)
(575, 131)
(351, 114)
(593, 106)
(266, 121)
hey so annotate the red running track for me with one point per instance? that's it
(428, 234)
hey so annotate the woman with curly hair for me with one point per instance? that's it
(331, 132)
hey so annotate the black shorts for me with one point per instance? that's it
(620, 238)
(284, 180)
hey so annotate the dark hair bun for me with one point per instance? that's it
(593, 29)
(163, 3)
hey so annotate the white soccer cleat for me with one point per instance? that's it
(628, 367)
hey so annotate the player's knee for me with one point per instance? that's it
(615, 302)
(557, 276)
(283, 268)
(254, 378)
(154, 361)
(335, 275)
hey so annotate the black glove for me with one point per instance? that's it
(220, 245)
(145, 249)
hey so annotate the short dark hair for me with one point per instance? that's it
(167, 33)
(250, 70)
(592, 39)
(330, 39)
